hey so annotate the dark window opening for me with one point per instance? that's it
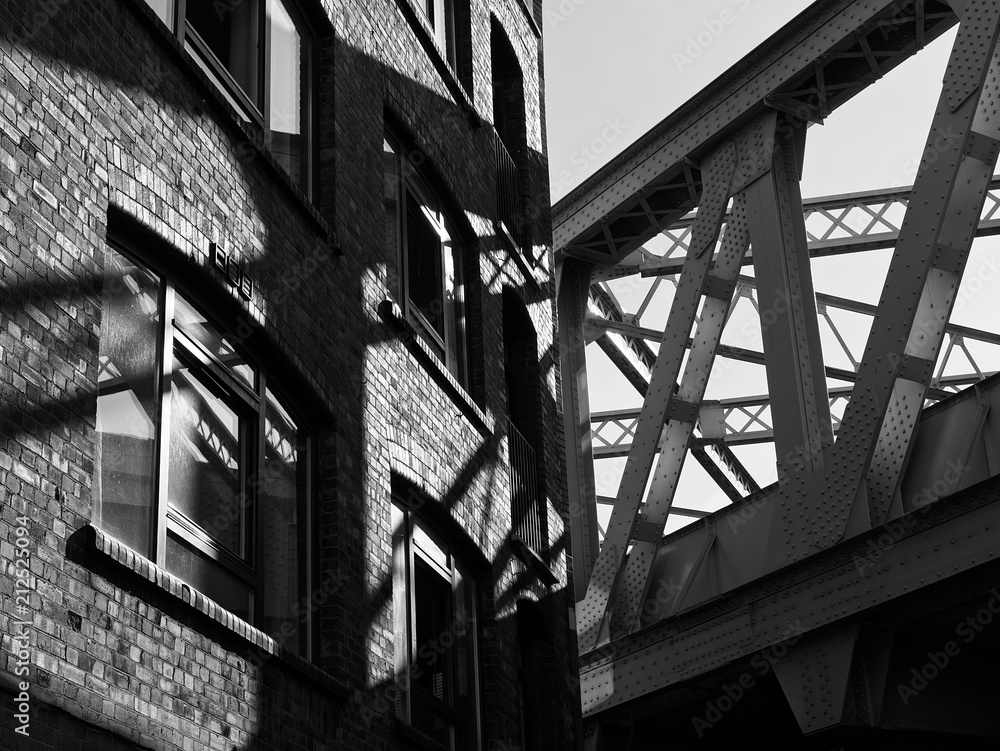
(525, 434)
(436, 636)
(534, 676)
(511, 134)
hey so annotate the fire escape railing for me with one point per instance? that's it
(508, 193)
(525, 501)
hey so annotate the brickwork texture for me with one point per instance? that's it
(109, 128)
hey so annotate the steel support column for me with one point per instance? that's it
(592, 614)
(922, 281)
(789, 326)
(680, 427)
(573, 282)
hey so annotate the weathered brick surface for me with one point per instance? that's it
(105, 121)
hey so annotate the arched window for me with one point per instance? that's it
(201, 467)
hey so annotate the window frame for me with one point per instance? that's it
(433, 552)
(440, 15)
(252, 404)
(254, 107)
(453, 347)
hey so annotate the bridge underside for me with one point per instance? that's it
(850, 603)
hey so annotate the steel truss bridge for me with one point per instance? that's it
(849, 604)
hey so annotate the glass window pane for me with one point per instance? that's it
(434, 631)
(206, 458)
(195, 325)
(230, 32)
(454, 304)
(428, 719)
(285, 90)
(164, 9)
(390, 160)
(214, 78)
(128, 400)
(208, 577)
(282, 549)
(466, 676)
(423, 262)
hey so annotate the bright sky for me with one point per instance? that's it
(615, 68)
(630, 63)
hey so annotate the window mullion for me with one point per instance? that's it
(264, 65)
(411, 614)
(159, 542)
(253, 491)
(309, 544)
(404, 247)
(306, 115)
(180, 23)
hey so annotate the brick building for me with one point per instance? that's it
(282, 449)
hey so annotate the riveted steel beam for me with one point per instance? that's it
(573, 278)
(922, 280)
(835, 225)
(790, 329)
(678, 432)
(783, 607)
(593, 612)
(807, 68)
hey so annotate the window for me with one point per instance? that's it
(447, 25)
(201, 468)
(434, 611)
(524, 424)
(258, 54)
(441, 16)
(511, 133)
(422, 242)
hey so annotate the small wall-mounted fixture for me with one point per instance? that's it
(246, 283)
(219, 257)
(234, 270)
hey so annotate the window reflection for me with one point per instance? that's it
(206, 451)
(285, 110)
(255, 51)
(195, 325)
(201, 573)
(230, 32)
(127, 399)
(200, 467)
(283, 541)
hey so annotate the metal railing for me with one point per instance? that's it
(508, 192)
(526, 507)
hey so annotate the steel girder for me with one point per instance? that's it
(793, 354)
(799, 600)
(842, 491)
(828, 54)
(835, 225)
(920, 289)
(603, 588)
(573, 285)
